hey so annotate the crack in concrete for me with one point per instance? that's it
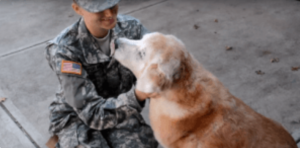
(145, 7)
(23, 49)
(19, 125)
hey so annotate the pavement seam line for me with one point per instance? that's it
(145, 7)
(23, 49)
(19, 125)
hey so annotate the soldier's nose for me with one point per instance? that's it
(107, 13)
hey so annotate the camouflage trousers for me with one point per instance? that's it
(79, 135)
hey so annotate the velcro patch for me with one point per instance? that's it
(71, 67)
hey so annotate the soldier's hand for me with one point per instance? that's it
(141, 96)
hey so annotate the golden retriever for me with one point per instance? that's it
(193, 109)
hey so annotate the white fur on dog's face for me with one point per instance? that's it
(154, 60)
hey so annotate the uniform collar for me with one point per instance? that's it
(90, 47)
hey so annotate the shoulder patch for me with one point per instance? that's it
(71, 67)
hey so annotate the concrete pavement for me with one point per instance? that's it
(11, 130)
(258, 31)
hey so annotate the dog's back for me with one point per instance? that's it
(242, 127)
(200, 112)
(219, 123)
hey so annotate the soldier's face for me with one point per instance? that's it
(106, 19)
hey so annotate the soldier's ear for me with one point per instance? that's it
(76, 8)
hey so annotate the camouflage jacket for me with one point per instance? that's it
(97, 89)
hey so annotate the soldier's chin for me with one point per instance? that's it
(107, 25)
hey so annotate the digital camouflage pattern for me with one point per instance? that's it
(96, 5)
(97, 108)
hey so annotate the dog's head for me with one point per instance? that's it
(156, 60)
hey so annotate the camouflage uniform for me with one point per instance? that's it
(98, 107)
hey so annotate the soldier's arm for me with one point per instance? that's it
(80, 93)
(142, 30)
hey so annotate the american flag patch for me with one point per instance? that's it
(71, 67)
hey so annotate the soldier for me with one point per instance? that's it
(96, 104)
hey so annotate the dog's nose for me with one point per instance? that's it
(116, 43)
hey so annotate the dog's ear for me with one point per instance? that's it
(171, 69)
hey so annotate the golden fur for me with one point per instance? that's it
(194, 110)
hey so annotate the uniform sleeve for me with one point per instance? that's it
(142, 30)
(80, 93)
